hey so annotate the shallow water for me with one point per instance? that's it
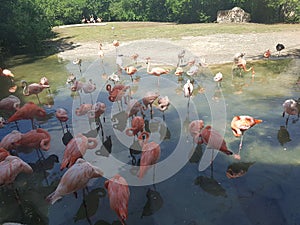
(266, 194)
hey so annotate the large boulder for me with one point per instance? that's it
(234, 15)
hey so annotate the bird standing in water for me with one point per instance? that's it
(118, 194)
(239, 125)
(33, 89)
(156, 71)
(150, 153)
(74, 179)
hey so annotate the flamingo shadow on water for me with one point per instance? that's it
(153, 204)
(283, 136)
(209, 184)
(89, 206)
(106, 148)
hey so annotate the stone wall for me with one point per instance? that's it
(234, 15)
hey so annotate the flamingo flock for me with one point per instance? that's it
(77, 172)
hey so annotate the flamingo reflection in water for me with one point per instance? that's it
(239, 125)
(118, 194)
(74, 179)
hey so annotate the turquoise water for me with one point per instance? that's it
(266, 194)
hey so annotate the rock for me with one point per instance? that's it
(234, 15)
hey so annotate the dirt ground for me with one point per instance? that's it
(214, 49)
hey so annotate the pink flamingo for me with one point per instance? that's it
(28, 111)
(8, 140)
(38, 139)
(133, 107)
(195, 128)
(214, 140)
(33, 89)
(74, 179)
(137, 125)
(83, 109)
(10, 103)
(3, 154)
(239, 125)
(7, 73)
(156, 71)
(130, 70)
(163, 104)
(11, 167)
(118, 194)
(87, 88)
(150, 153)
(45, 81)
(291, 107)
(76, 148)
(148, 99)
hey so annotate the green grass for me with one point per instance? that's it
(128, 31)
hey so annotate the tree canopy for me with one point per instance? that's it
(27, 23)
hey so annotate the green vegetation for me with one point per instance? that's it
(27, 24)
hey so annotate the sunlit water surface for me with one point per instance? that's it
(266, 194)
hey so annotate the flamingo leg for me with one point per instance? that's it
(240, 145)
(91, 98)
(38, 98)
(154, 177)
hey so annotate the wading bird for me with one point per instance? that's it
(76, 148)
(240, 62)
(10, 103)
(118, 194)
(33, 89)
(156, 71)
(74, 179)
(239, 125)
(150, 153)
(28, 111)
(137, 125)
(11, 167)
(7, 73)
(291, 107)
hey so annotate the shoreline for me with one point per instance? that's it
(214, 49)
